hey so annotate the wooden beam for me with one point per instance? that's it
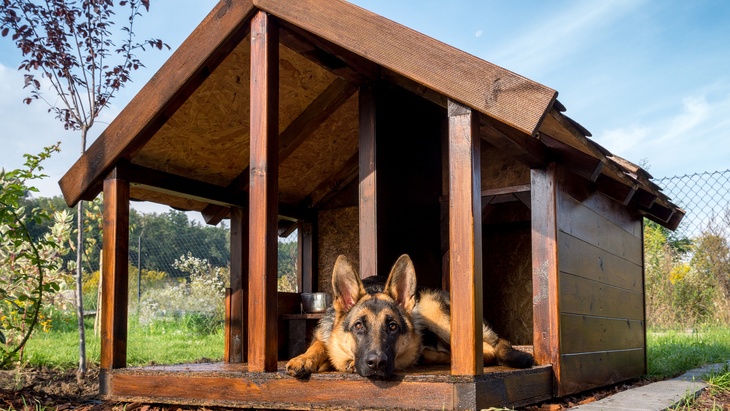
(618, 191)
(585, 165)
(262, 307)
(187, 68)
(115, 288)
(162, 182)
(465, 237)
(368, 184)
(236, 317)
(333, 185)
(524, 147)
(306, 257)
(336, 94)
(545, 269)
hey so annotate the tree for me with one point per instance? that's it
(71, 46)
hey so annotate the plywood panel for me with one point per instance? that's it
(500, 170)
(581, 222)
(588, 261)
(585, 371)
(582, 333)
(581, 296)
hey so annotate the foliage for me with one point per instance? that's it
(29, 268)
(72, 44)
(687, 282)
(287, 275)
(199, 301)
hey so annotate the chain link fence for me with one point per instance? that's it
(704, 196)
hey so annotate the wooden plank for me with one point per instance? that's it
(306, 257)
(621, 192)
(545, 292)
(581, 222)
(235, 323)
(616, 213)
(505, 96)
(524, 147)
(465, 238)
(585, 165)
(368, 201)
(187, 68)
(115, 288)
(506, 190)
(262, 312)
(581, 296)
(162, 182)
(582, 372)
(335, 184)
(588, 261)
(583, 333)
(515, 389)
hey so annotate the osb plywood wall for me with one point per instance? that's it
(500, 170)
(338, 234)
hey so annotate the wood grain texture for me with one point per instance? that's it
(581, 296)
(585, 371)
(465, 238)
(492, 90)
(115, 288)
(545, 274)
(238, 313)
(590, 262)
(176, 80)
(583, 334)
(263, 205)
(368, 201)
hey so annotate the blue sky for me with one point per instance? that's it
(649, 79)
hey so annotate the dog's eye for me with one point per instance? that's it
(393, 326)
(358, 326)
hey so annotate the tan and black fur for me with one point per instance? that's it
(374, 328)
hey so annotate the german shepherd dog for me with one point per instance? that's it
(374, 328)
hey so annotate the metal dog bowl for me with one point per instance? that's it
(316, 302)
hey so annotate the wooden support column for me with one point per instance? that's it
(545, 270)
(263, 198)
(115, 288)
(306, 238)
(236, 338)
(368, 184)
(465, 237)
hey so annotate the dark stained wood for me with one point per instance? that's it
(306, 257)
(581, 222)
(477, 83)
(368, 204)
(162, 182)
(262, 311)
(585, 165)
(238, 313)
(581, 296)
(586, 371)
(583, 333)
(621, 192)
(465, 237)
(338, 182)
(115, 289)
(506, 190)
(421, 388)
(585, 260)
(545, 294)
(527, 149)
(158, 100)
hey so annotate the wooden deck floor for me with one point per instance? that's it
(218, 384)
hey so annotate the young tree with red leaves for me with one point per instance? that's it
(71, 47)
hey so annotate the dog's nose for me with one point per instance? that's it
(376, 360)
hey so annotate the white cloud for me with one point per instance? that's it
(478, 33)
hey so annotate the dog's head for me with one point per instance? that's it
(374, 333)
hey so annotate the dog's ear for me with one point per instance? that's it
(401, 284)
(346, 285)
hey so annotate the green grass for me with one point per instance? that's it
(670, 353)
(159, 343)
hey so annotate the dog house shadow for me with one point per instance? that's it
(373, 140)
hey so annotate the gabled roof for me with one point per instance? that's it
(188, 126)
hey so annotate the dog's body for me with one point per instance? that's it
(374, 328)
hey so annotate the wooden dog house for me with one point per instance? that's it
(375, 140)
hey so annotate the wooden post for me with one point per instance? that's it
(306, 257)
(237, 341)
(115, 289)
(546, 331)
(465, 237)
(368, 184)
(263, 199)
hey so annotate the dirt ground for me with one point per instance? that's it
(35, 389)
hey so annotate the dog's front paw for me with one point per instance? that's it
(350, 366)
(300, 367)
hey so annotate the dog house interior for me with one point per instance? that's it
(372, 141)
